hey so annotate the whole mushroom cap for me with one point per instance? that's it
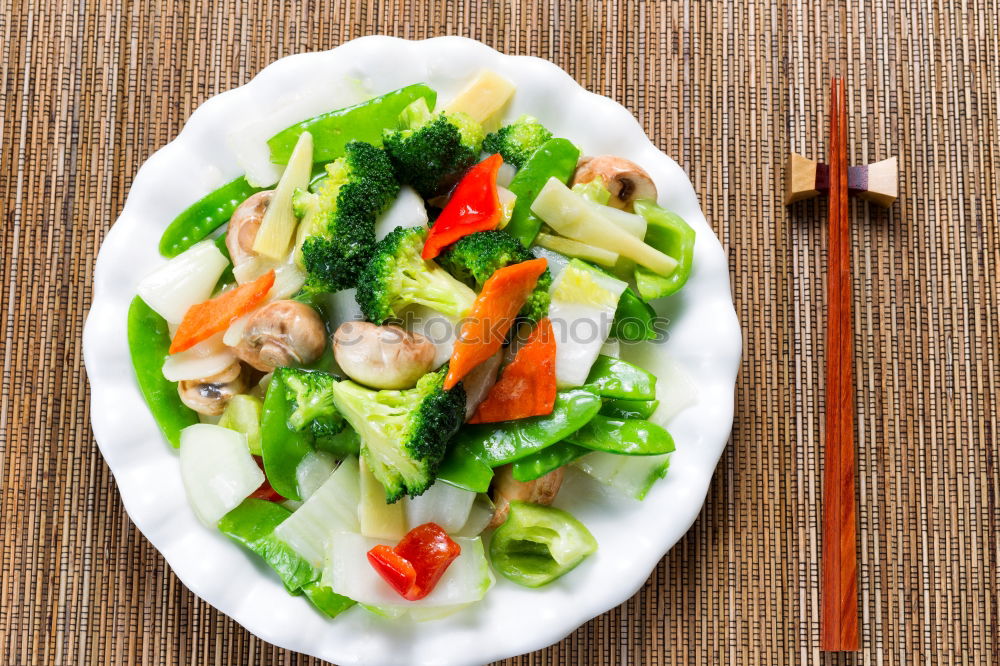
(382, 357)
(210, 395)
(282, 333)
(626, 180)
(244, 224)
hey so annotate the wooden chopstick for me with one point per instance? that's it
(839, 620)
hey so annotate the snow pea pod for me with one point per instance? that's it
(497, 444)
(361, 122)
(462, 469)
(621, 408)
(204, 216)
(252, 524)
(669, 234)
(633, 319)
(614, 378)
(631, 437)
(542, 462)
(538, 544)
(326, 600)
(282, 446)
(555, 157)
(148, 344)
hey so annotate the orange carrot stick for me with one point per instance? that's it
(527, 386)
(492, 315)
(204, 320)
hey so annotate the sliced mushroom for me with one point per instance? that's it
(282, 333)
(243, 226)
(210, 395)
(626, 180)
(506, 488)
(382, 357)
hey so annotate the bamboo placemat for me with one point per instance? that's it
(90, 89)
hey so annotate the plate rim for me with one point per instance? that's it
(99, 396)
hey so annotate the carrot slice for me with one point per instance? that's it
(527, 386)
(492, 315)
(204, 320)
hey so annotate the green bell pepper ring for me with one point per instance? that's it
(205, 216)
(631, 437)
(282, 446)
(538, 544)
(497, 444)
(148, 345)
(460, 468)
(547, 460)
(555, 157)
(671, 235)
(252, 524)
(614, 378)
(634, 318)
(361, 122)
(620, 408)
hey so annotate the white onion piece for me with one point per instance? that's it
(313, 471)
(479, 381)
(234, 334)
(505, 174)
(342, 307)
(442, 331)
(349, 573)
(217, 470)
(556, 261)
(480, 516)
(507, 201)
(288, 280)
(333, 507)
(443, 504)
(208, 357)
(183, 281)
(612, 347)
(407, 210)
(252, 268)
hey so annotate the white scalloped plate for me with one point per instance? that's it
(704, 339)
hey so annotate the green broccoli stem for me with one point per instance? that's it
(438, 290)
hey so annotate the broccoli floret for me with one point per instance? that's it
(431, 151)
(403, 434)
(474, 258)
(518, 141)
(396, 276)
(337, 229)
(312, 410)
(311, 396)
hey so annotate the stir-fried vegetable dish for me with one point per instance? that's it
(380, 369)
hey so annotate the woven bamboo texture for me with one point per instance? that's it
(89, 89)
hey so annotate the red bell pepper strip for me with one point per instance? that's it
(204, 320)
(395, 570)
(527, 386)
(473, 206)
(491, 316)
(417, 562)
